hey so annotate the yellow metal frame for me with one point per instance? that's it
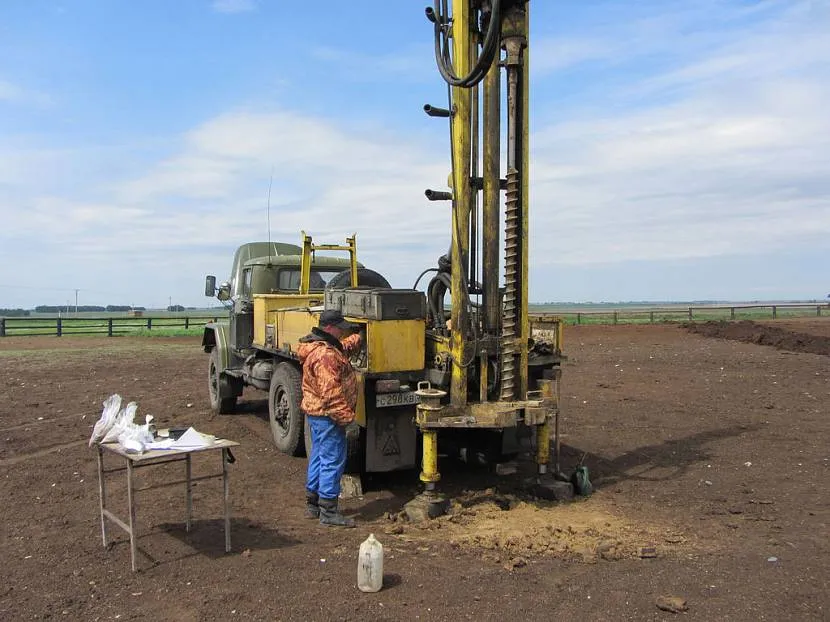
(429, 464)
(395, 345)
(554, 324)
(462, 194)
(309, 248)
(543, 429)
(267, 306)
(360, 408)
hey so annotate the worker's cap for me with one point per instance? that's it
(333, 317)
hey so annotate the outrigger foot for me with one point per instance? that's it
(427, 505)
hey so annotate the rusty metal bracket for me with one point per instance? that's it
(484, 415)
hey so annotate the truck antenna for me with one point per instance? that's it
(268, 214)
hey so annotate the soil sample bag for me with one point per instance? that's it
(111, 407)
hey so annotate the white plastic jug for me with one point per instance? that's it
(370, 565)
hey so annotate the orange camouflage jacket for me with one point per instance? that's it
(329, 382)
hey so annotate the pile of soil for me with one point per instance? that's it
(764, 335)
(511, 529)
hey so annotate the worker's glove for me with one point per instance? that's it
(352, 431)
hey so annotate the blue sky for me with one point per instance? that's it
(680, 150)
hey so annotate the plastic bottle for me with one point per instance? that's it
(370, 565)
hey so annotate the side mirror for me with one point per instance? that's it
(224, 292)
(210, 285)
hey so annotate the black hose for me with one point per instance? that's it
(435, 298)
(490, 47)
(420, 276)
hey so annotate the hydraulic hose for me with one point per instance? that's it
(439, 15)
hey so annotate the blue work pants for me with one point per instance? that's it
(328, 457)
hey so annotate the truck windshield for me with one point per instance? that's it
(289, 278)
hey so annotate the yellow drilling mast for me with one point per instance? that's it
(481, 371)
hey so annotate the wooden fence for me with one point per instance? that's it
(121, 325)
(697, 313)
(109, 326)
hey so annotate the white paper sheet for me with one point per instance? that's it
(191, 439)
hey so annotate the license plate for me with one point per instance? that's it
(401, 398)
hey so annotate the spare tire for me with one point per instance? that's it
(365, 278)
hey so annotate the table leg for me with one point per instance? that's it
(189, 493)
(226, 495)
(102, 494)
(131, 504)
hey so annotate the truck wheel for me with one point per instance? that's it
(365, 278)
(221, 405)
(284, 410)
(355, 450)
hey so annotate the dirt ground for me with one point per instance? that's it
(709, 455)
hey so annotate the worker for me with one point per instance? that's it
(330, 391)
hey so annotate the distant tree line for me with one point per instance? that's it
(14, 313)
(84, 308)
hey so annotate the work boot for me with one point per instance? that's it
(312, 507)
(331, 516)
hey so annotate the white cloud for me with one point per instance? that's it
(233, 6)
(652, 33)
(315, 163)
(211, 193)
(15, 94)
(727, 151)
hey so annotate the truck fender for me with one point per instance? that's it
(215, 336)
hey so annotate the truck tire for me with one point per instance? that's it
(365, 278)
(220, 405)
(284, 412)
(355, 450)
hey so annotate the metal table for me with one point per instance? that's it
(155, 457)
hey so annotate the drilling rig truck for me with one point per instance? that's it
(456, 365)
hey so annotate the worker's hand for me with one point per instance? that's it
(352, 431)
(352, 344)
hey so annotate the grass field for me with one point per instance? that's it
(645, 314)
(107, 324)
(166, 324)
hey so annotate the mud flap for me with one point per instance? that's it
(229, 386)
(391, 438)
